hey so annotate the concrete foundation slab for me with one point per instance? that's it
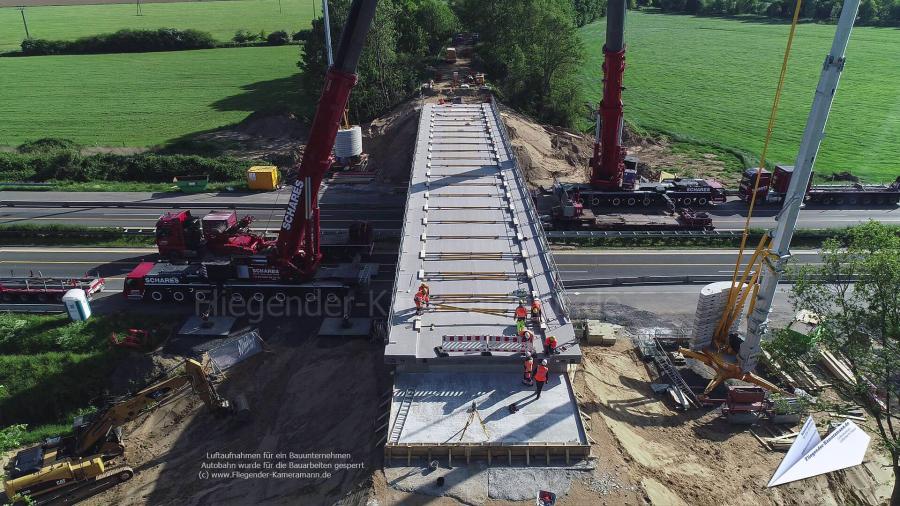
(352, 327)
(435, 408)
(478, 482)
(217, 326)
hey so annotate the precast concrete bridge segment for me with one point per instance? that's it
(471, 232)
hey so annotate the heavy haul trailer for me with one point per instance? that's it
(667, 193)
(222, 256)
(241, 282)
(569, 213)
(46, 290)
(773, 187)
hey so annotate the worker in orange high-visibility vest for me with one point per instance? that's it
(540, 377)
(536, 311)
(550, 345)
(529, 365)
(419, 299)
(521, 312)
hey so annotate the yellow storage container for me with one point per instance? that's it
(263, 177)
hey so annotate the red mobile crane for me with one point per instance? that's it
(613, 173)
(248, 264)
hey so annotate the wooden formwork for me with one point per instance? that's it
(539, 453)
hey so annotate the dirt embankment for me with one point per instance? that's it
(694, 457)
(307, 395)
(545, 152)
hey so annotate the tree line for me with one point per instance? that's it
(871, 12)
(405, 34)
(533, 61)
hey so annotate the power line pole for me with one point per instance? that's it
(22, 10)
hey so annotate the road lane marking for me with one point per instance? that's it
(626, 252)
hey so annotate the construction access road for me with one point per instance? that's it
(339, 207)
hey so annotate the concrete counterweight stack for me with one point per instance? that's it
(710, 304)
(348, 143)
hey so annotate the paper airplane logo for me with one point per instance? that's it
(811, 456)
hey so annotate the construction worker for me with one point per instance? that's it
(529, 339)
(540, 377)
(520, 328)
(521, 313)
(536, 311)
(529, 365)
(426, 291)
(550, 345)
(419, 299)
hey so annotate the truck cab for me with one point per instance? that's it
(178, 235)
(748, 181)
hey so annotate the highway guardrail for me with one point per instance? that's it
(156, 204)
(583, 234)
(658, 280)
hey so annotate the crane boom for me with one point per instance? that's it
(298, 244)
(758, 321)
(608, 160)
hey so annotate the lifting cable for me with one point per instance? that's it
(733, 309)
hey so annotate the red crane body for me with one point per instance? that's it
(298, 248)
(608, 162)
(298, 245)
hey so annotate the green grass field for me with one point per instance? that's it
(141, 99)
(714, 80)
(220, 18)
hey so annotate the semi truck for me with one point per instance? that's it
(774, 186)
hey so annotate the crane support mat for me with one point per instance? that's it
(431, 416)
(472, 234)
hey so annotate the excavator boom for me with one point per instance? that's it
(118, 414)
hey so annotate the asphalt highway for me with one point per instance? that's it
(114, 263)
(146, 218)
(339, 207)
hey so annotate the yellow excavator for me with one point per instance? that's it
(65, 470)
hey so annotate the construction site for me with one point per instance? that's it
(454, 360)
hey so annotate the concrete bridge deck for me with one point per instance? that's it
(471, 232)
